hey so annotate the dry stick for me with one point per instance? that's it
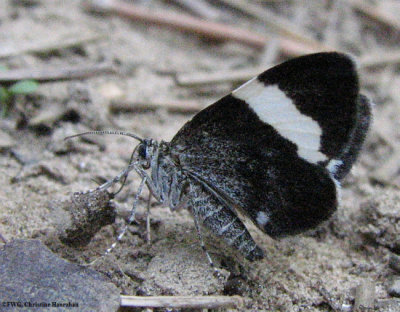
(3, 239)
(283, 26)
(373, 12)
(183, 302)
(331, 34)
(371, 79)
(55, 74)
(380, 58)
(171, 106)
(180, 21)
(199, 8)
(48, 116)
(203, 78)
(47, 45)
(187, 23)
(270, 53)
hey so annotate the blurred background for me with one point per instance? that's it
(147, 67)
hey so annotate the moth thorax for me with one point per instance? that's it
(170, 183)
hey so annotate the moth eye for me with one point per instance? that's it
(142, 151)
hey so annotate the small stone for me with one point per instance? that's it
(111, 91)
(81, 217)
(379, 220)
(47, 116)
(31, 274)
(6, 141)
(388, 305)
(178, 272)
(394, 288)
(394, 262)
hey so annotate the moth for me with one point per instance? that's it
(275, 150)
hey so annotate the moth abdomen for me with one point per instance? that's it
(222, 222)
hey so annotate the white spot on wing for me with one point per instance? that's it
(333, 165)
(262, 218)
(272, 106)
(332, 168)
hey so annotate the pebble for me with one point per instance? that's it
(394, 287)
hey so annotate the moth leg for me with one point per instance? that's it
(125, 228)
(223, 223)
(149, 182)
(196, 224)
(148, 228)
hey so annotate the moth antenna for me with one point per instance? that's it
(130, 220)
(117, 132)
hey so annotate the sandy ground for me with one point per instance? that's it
(316, 271)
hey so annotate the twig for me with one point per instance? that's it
(47, 45)
(371, 79)
(331, 33)
(172, 106)
(280, 24)
(204, 78)
(3, 239)
(26, 3)
(48, 116)
(178, 21)
(55, 74)
(199, 8)
(183, 302)
(187, 23)
(375, 13)
(380, 58)
(270, 53)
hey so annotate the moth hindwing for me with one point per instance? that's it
(276, 148)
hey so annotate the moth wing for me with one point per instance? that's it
(278, 145)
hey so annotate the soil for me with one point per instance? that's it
(322, 270)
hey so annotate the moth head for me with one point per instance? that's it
(145, 152)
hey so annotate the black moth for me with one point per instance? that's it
(274, 150)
